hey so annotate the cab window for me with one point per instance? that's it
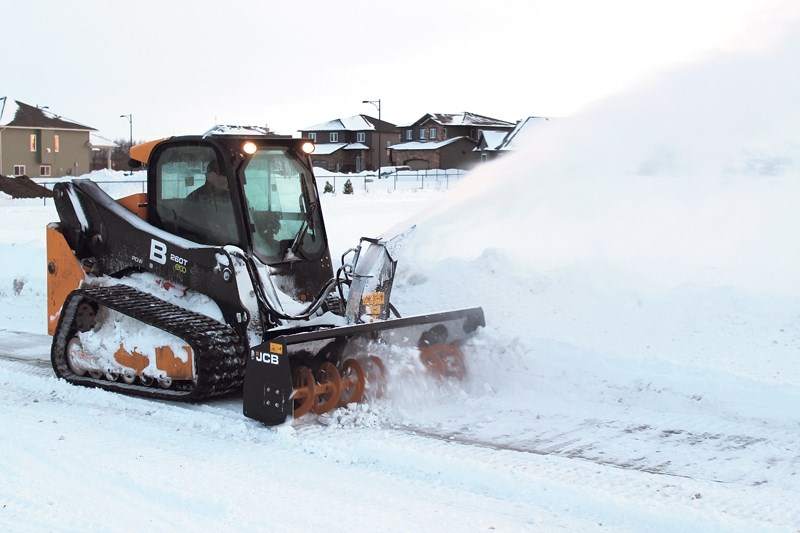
(189, 202)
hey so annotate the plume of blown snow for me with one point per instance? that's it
(694, 178)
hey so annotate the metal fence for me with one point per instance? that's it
(404, 180)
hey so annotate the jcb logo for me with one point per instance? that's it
(269, 358)
(158, 252)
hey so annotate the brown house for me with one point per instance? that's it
(349, 144)
(440, 140)
(39, 143)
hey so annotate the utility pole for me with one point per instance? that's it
(377, 103)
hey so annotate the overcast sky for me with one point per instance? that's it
(181, 66)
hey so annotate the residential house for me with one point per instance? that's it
(440, 140)
(38, 143)
(495, 143)
(350, 144)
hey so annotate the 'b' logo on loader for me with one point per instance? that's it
(158, 252)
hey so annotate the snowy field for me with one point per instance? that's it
(638, 370)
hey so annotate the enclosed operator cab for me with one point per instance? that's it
(255, 193)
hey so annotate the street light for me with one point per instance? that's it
(129, 116)
(130, 122)
(377, 103)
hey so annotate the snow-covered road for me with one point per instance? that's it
(87, 458)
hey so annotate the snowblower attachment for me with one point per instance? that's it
(322, 368)
(293, 374)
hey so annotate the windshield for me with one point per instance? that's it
(283, 209)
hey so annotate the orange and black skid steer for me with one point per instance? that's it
(219, 278)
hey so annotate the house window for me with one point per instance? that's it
(432, 133)
(361, 137)
(444, 134)
(55, 143)
(44, 171)
(334, 137)
(33, 142)
(422, 134)
(409, 135)
(313, 136)
(19, 170)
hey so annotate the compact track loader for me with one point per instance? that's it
(219, 277)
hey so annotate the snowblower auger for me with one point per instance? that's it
(271, 392)
(220, 278)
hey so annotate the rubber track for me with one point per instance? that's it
(219, 354)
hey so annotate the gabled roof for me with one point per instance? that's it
(356, 146)
(354, 123)
(463, 119)
(28, 116)
(522, 126)
(329, 148)
(98, 141)
(418, 145)
(491, 139)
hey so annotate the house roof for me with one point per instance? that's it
(356, 146)
(329, 148)
(463, 119)
(28, 116)
(522, 126)
(491, 139)
(417, 145)
(354, 123)
(98, 141)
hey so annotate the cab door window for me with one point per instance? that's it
(192, 202)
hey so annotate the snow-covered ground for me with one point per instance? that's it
(638, 371)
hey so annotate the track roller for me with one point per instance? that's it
(77, 360)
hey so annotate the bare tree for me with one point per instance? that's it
(120, 155)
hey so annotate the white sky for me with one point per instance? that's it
(181, 66)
